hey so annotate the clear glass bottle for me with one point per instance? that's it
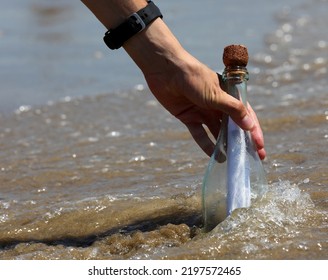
(235, 175)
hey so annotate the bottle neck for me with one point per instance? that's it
(235, 73)
(235, 82)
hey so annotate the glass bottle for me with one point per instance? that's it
(235, 175)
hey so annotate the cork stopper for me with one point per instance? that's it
(235, 55)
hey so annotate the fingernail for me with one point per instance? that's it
(247, 123)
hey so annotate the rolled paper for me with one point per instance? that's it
(238, 177)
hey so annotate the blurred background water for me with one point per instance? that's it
(92, 167)
(53, 48)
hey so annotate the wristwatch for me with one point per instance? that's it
(115, 38)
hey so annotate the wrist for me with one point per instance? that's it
(135, 23)
(155, 49)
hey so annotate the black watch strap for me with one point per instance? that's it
(115, 38)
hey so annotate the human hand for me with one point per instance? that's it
(194, 96)
(187, 88)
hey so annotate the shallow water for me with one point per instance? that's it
(114, 176)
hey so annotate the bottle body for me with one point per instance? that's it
(235, 174)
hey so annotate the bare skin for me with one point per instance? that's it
(187, 88)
